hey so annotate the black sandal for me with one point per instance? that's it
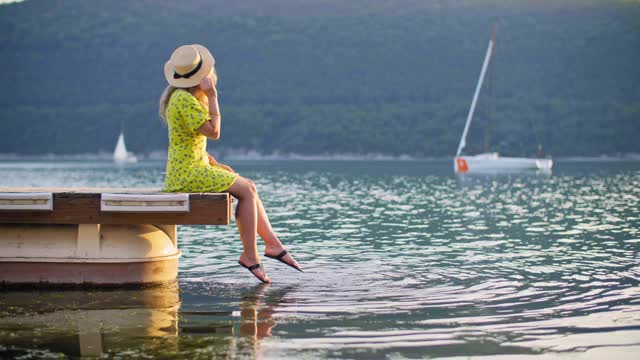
(279, 258)
(253, 267)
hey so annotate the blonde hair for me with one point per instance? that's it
(194, 90)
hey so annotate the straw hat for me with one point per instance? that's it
(188, 65)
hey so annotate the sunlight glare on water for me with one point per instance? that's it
(401, 259)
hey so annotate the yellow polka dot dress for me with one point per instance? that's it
(188, 168)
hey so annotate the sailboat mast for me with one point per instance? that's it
(463, 139)
(488, 121)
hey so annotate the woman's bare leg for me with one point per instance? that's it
(264, 226)
(273, 246)
(247, 221)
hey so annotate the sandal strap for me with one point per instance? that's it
(250, 268)
(281, 255)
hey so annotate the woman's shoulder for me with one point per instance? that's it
(183, 96)
(179, 94)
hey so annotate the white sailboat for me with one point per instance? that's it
(491, 161)
(120, 154)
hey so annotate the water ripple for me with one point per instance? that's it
(422, 264)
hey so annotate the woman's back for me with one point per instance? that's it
(187, 148)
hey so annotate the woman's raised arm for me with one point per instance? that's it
(211, 128)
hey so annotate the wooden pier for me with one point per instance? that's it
(98, 235)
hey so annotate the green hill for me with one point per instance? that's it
(327, 76)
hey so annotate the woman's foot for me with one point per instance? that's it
(253, 265)
(279, 253)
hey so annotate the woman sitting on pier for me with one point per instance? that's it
(189, 105)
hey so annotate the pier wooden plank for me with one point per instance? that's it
(82, 206)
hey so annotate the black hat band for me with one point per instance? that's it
(190, 73)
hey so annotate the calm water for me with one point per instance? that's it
(403, 260)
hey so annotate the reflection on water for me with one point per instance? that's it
(87, 323)
(133, 322)
(402, 259)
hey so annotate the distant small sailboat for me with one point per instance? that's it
(120, 154)
(488, 162)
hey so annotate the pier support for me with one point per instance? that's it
(89, 237)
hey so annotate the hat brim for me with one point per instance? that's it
(207, 63)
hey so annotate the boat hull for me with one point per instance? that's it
(483, 163)
(129, 159)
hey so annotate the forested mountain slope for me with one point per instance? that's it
(326, 76)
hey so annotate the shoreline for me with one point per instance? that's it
(234, 155)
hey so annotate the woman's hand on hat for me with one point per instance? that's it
(208, 87)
